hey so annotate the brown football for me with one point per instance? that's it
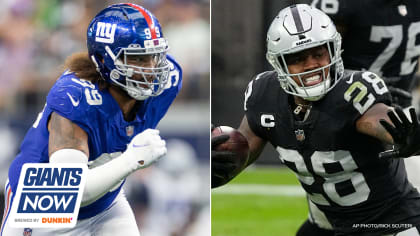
(237, 143)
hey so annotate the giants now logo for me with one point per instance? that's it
(105, 32)
(48, 195)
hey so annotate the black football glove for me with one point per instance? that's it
(222, 162)
(406, 134)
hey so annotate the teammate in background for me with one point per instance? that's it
(102, 111)
(329, 127)
(378, 36)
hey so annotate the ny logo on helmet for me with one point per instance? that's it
(105, 32)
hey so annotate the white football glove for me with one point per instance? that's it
(145, 149)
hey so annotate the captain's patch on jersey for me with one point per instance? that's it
(48, 195)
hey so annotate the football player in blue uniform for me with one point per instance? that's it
(329, 126)
(103, 111)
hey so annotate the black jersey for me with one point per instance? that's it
(337, 166)
(381, 36)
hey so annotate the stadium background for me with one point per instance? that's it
(35, 39)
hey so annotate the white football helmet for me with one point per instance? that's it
(297, 28)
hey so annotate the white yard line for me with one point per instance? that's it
(260, 189)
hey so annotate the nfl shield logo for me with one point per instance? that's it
(27, 232)
(129, 130)
(300, 135)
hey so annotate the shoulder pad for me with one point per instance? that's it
(360, 90)
(72, 97)
(259, 86)
(262, 96)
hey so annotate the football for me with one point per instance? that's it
(237, 144)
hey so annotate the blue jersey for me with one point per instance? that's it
(98, 114)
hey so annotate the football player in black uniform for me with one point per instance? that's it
(329, 127)
(378, 36)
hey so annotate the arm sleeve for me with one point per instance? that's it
(99, 180)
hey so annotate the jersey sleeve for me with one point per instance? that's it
(358, 92)
(255, 93)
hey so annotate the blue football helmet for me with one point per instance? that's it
(117, 36)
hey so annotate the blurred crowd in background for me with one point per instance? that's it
(35, 39)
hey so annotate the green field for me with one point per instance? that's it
(262, 212)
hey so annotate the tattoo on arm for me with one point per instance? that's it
(66, 134)
(369, 123)
(376, 131)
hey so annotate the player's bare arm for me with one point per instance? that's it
(391, 127)
(256, 144)
(369, 123)
(66, 134)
